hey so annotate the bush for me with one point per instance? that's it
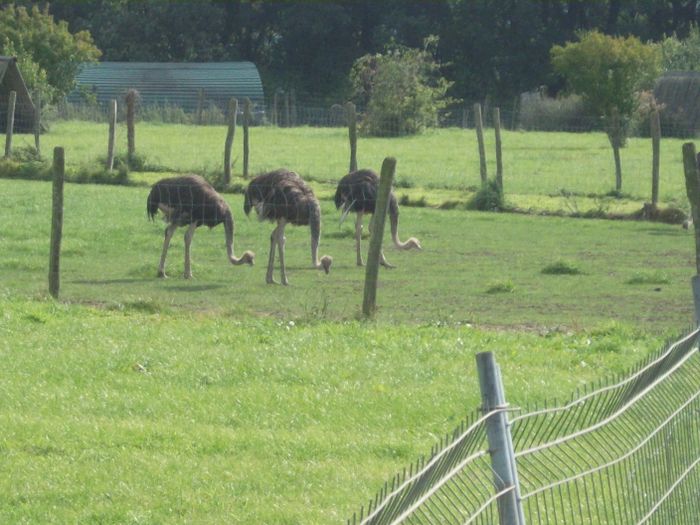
(402, 90)
(488, 198)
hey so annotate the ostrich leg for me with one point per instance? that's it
(271, 261)
(358, 238)
(382, 259)
(281, 239)
(169, 230)
(188, 242)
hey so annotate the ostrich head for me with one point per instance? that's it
(324, 263)
(394, 220)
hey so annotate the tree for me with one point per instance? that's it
(48, 54)
(681, 54)
(401, 90)
(608, 72)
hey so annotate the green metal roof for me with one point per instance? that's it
(171, 82)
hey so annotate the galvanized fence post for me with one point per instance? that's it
(510, 510)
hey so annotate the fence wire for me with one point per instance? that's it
(623, 451)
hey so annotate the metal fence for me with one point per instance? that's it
(620, 452)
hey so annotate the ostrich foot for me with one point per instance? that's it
(270, 280)
(387, 264)
(188, 275)
(161, 274)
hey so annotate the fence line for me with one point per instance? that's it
(626, 451)
(532, 117)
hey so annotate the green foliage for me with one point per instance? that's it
(607, 72)
(648, 277)
(501, 287)
(680, 54)
(401, 90)
(561, 267)
(49, 55)
(487, 198)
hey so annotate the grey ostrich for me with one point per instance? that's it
(283, 197)
(357, 192)
(191, 201)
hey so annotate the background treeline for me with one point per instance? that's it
(488, 49)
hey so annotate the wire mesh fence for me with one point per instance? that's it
(626, 450)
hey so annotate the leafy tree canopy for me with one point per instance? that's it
(681, 54)
(49, 56)
(401, 90)
(608, 72)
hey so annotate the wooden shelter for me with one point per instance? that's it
(11, 80)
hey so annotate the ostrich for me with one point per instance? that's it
(282, 196)
(191, 201)
(357, 192)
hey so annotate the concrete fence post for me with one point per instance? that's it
(56, 221)
(11, 103)
(505, 473)
(369, 303)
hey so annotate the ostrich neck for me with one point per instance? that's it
(229, 230)
(394, 222)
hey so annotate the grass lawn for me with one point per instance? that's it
(225, 400)
(437, 166)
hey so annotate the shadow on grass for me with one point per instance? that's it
(110, 281)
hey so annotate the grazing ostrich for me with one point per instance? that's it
(357, 192)
(191, 201)
(282, 196)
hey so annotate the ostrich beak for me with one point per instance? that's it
(346, 211)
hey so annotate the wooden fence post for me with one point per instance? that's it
(56, 221)
(232, 114)
(275, 112)
(11, 103)
(656, 156)
(499, 154)
(351, 116)
(37, 123)
(112, 134)
(131, 123)
(247, 119)
(287, 115)
(692, 187)
(369, 303)
(505, 474)
(480, 139)
(200, 106)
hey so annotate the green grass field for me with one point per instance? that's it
(225, 400)
(438, 166)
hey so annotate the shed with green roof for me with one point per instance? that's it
(181, 84)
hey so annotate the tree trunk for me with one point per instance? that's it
(618, 168)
